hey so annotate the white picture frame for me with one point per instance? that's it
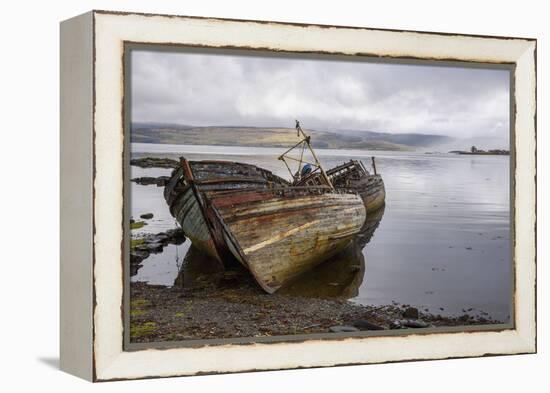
(92, 190)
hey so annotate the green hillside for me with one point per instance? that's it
(263, 137)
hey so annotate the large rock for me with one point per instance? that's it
(154, 244)
(147, 180)
(175, 236)
(410, 312)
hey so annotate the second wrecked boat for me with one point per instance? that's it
(351, 175)
(354, 176)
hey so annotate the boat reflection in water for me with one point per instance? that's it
(342, 275)
(369, 227)
(197, 268)
(338, 277)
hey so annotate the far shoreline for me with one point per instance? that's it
(137, 149)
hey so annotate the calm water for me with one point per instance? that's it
(442, 243)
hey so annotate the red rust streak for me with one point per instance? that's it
(241, 198)
(231, 180)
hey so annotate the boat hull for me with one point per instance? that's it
(278, 237)
(189, 214)
(352, 175)
(372, 191)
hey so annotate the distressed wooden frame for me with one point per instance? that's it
(92, 190)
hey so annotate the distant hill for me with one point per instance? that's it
(278, 137)
(416, 140)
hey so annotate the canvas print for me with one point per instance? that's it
(274, 196)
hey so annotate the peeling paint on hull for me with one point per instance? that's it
(282, 236)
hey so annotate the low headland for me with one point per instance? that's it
(475, 151)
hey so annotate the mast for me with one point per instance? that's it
(302, 145)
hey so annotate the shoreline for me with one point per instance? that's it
(227, 304)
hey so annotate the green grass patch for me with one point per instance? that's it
(137, 313)
(138, 303)
(179, 314)
(143, 329)
(136, 243)
(137, 224)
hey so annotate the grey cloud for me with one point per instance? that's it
(213, 89)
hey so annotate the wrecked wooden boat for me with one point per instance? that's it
(353, 175)
(235, 211)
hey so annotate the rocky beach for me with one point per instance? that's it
(228, 304)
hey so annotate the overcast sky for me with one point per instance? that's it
(213, 89)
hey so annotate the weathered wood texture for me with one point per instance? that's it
(190, 216)
(352, 175)
(280, 235)
(184, 195)
(342, 275)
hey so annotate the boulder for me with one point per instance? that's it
(410, 312)
(148, 180)
(153, 162)
(175, 236)
(136, 256)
